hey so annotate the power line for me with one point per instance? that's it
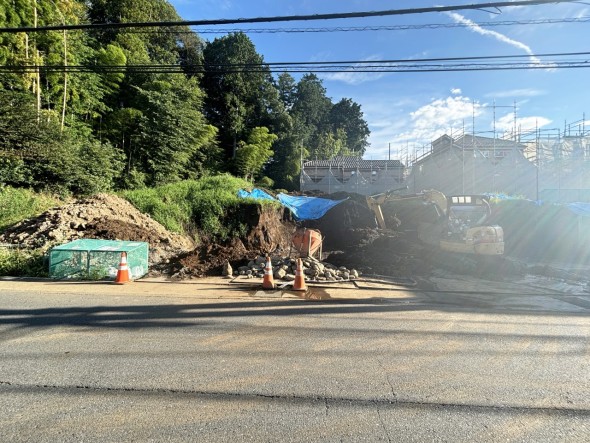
(547, 21)
(327, 68)
(340, 64)
(332, 66)
(275, 19)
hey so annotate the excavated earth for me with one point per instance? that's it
(102, 216)
(351, 240)
(348, 228)
(110, 217)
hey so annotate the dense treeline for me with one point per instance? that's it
(87, 130)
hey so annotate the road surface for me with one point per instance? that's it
(444, 360)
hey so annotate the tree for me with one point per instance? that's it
(330, 144)
(346, 115)
(253, 154)
(287, 88)
(45, 157)
(239, 98)
(171, 129)
(310, 109)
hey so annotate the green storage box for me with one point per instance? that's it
(97, 259)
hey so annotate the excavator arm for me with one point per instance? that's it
(431, 196)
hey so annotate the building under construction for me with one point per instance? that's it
(549, 165)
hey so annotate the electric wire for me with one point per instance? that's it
(190, 69)
(276, 19)
(550, 61)
(428, 26)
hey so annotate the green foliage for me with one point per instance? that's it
(207, 206)
(330, 145)
(265, 182)
(22, 263)
(19, 204)
(87, 131)
(236, 102)
(347, 116)
(171, 129)
(252, 156)
(112, 55)
(43, 156)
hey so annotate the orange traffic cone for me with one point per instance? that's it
(299, 283)
(123, 275)
(268, 281)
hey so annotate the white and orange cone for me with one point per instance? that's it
(268, 280)
(123, 275)
(299, 283)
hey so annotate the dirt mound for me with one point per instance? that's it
(348, 224)
(391, 255)
(269, 233)
(542, 233)
(102, 216)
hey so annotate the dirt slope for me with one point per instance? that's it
(102, 216)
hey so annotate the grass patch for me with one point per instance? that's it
(207, 206)
(23, 263)
(19, 204)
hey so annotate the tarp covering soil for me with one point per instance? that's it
(543, 233)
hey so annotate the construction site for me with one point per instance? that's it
(390, 236)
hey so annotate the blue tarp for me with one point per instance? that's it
(579, 208)
(257, 194)
(308, 208)
(303, 208)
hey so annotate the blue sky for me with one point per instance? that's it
(407, 110)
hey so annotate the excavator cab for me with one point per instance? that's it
(467, 231)
(455, 223)
(466, 211)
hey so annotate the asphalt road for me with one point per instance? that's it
(444, 361)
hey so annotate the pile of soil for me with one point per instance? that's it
(270, 232)
(388, 254)
(347, 225)
(102, 216)
(542, 233)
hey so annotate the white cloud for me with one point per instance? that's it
(507, 124)
(456, 91)
(352, 76)
(512, 93)
(409, 131)
(498, 36)
(582, 13)
(442, 115)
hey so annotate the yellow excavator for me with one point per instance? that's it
(457, 226)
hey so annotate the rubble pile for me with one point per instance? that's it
(284, 269)
(102, 216)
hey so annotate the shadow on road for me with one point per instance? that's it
(191, 315)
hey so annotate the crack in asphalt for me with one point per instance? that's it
(382, 423)
(393, 394)
(342, 401)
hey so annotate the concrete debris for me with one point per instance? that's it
(284, 269)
